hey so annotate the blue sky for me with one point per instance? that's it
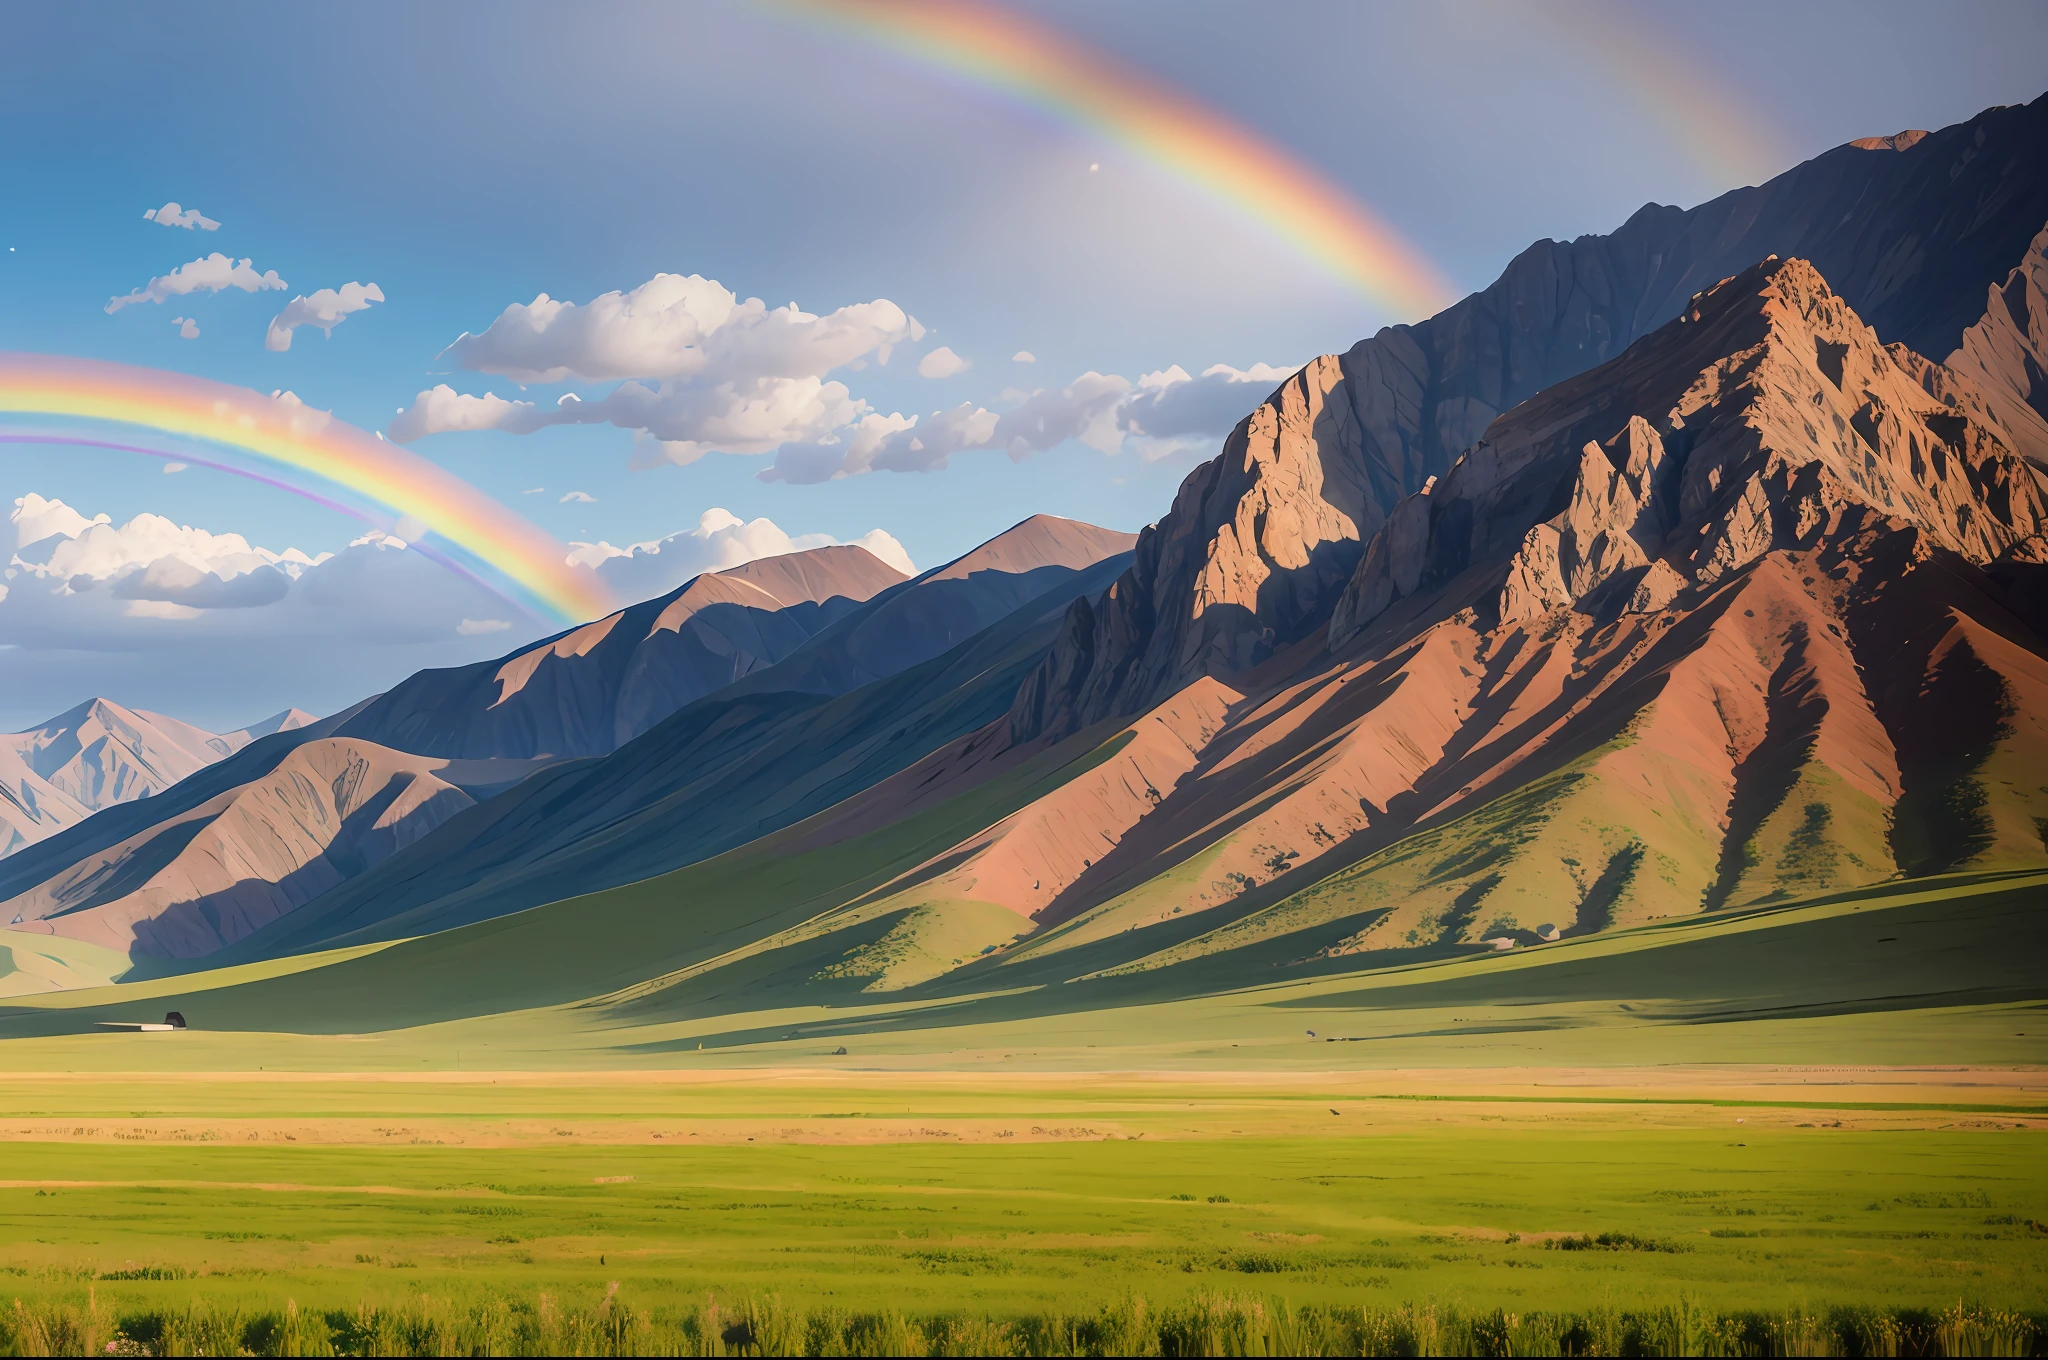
(465, 158)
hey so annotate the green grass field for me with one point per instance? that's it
(1004, 1198)
(1812, 1106)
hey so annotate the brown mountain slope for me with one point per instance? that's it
(100, 754)
(592, 822)
(190, 885)
(588, 690)
(1911, 230)
(921, 618)
(1683, 632)
(2006, 352)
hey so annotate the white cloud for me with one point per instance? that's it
(442, 408)
(702, 370)
(534, 491)
(188, 329)
(577, 497)
(209, 275)
(1171, 405)
(170, 468)
(326, 308)
(892, 443)
(175, 580)
(720, 541)
(676, 326)
(1163, 414)
(181, 620)
(169, 215)
(202, 624)
(55, 543)
(942, 363)
(1023, 356)
(35, 519)
(679, 422)
(1085, 409)
(883, 544)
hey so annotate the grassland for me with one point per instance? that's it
(1834, 1103)
(933, 1193)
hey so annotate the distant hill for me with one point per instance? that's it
(583, 692)
(149, 883)
(100, 754)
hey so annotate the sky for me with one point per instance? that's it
(739, 279)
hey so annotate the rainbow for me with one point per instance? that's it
(1715, 127)
(1029, 62)
(302, 443)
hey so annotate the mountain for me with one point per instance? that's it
(292, 843)
(759, 755)
(583, 692)
(1911, 231)
(205, 877)
(291, 720)
(2005, 352)
(1667, 584)
(98, 755)
(922, 618)
(1666, 640)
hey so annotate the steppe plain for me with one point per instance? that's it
(1440, 1135)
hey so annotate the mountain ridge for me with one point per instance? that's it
(1261, 539)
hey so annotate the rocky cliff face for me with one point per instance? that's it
(2005, 352)
(1749, 613)
(592, 688)
(1766, 417)
(1909, 230)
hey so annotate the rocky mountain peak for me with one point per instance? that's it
(1765, 416)
(1898, 141)
(1911, 239)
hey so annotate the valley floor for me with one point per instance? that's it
(1738, 1188)
(1831, 1104)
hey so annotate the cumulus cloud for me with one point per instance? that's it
(326, 308)
(188, 329)
(203, 624)
(1163, 413)
(175, 580)
(1170, 404)
(677, 422)
(211, 274)
(35, 519)
(55, 543)
(210, 626)
(1023, 356)
(700, 370)
(676, 326)
(942, 363)
(1085, 409)
(170, 468)
(169, 215)
(577, 497)
(442, 408)
(720, 541)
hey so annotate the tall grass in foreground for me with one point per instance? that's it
(1204, 1324)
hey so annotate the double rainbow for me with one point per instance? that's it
(1011, 54)
(300, 445)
